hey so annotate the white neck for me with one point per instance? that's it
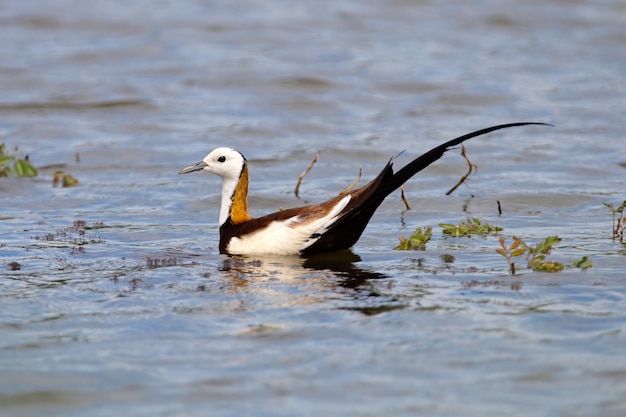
(228, 191)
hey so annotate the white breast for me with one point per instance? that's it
(286, 237)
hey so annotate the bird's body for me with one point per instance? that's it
(330, 226)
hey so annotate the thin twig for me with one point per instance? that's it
(465, 207)
(351, 186)
(469, 171)
(306, 171)
(406, 203)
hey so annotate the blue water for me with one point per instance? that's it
(120, 302)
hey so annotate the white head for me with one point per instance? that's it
(229, 164)
(225, 162)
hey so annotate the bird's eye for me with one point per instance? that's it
(221, 159)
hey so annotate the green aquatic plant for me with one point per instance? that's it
(583, 263)
(63, 179)
(12, 164)
(417, 241)
(472, 226)
(618, 225)
(536, 255)
(512, 251)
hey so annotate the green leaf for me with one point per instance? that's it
(550, 266)
(583, 263)
(417, 241)
(471, 226)
(539, 258)
(69, 181)
(524, 245)
(23, 168)
(5, 159)
(551, 240)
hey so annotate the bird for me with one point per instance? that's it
(334, 225)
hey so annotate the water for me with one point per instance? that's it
(121, 303)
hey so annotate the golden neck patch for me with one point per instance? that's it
(239, 208)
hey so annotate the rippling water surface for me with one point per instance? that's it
(115, 300)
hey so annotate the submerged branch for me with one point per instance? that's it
(306, 171)
(351, 186)
(469, 171)
(406, 203)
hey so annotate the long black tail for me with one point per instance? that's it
(367, 198)
(434, 154)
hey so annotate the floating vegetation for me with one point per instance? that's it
(75, 235)
(510, 252)
(514, 286)
(447, 258)
(158, 263)
(63, 179)
(77, 250)
(12, 164)
(417, 241)
(536, 255)
(14, 266)
(472, 226)
(582, 263)
(619, 220)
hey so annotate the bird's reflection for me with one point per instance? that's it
(338, 267)
(342, 265)
(285, 281)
